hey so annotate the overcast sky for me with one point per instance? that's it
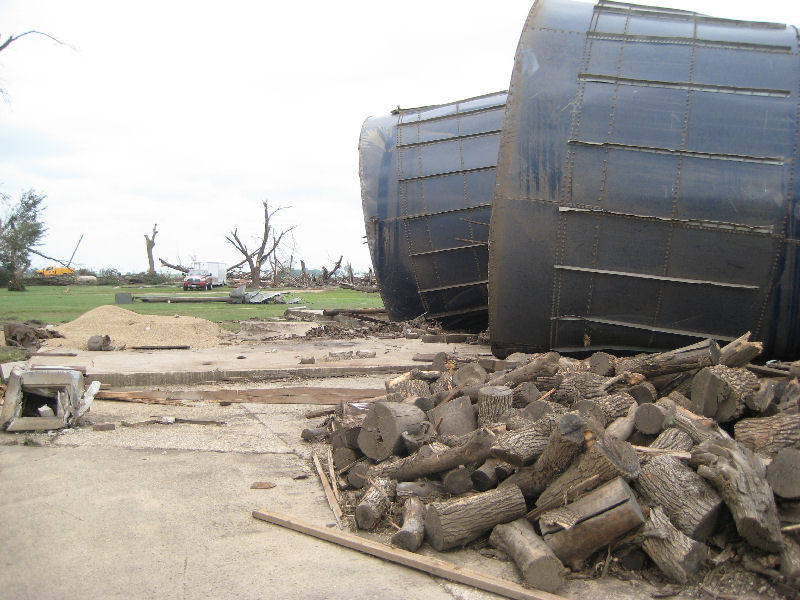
(189, 113)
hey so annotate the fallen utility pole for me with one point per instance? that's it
(427, 564)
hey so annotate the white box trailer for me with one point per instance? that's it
(218, 270)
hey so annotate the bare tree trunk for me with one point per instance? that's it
(150, 242)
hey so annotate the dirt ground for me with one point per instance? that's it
(163, 510)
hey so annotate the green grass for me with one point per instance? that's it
(55, 304)
(11, 354)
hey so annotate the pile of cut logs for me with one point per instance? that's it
(651, 458)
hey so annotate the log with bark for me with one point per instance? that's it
(418, 465)
(673, 439)
(689, 501)
(381, 432)
(375, 503)
(738, 475)
(605, 459)
(695, 356)
(643, 392)
(410, 536)
(699, 428)
(407, 386)
(540, 568)
(345, 431)
(458, 521)
(740, 351)
(485, 477)
(790, 561)
(565, 443)
(677, 555)
(424, 489)
(543, 365)
(602, 363)
(622, 428)
(579, 529)
(536, 409)
(525, 393)
(721, 392)
(362, 473)
(614, 406)
(523, 446)
(493, 401)
(769, 435)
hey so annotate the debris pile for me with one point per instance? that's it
(685, 460)
(28, 335)
(127, 328)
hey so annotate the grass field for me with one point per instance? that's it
(56, 304)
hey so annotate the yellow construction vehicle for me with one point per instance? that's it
(54, 271)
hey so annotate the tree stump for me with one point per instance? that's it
(721, 392)
(413, 531)
(689, 501)
(539, 566)
(523, 446)
(493, 401)
(677, 555)
(579, 529)
(769, 435)
(738, 476)
(456, 522)
(375, 503)
(380, 435)
(783, 473)
(421, 465)
(455, 417)
(688, 358)
(652, 418)
(606, 458)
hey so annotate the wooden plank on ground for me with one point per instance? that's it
(427, 564)
(289, 395)
(334, 504)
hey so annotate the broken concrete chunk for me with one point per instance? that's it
(307, 360)
(44, 399)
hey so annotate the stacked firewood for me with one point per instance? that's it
(650, 458)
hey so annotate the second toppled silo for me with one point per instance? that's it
(646, 188)
(427, 178)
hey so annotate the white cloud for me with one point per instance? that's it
(190, 113)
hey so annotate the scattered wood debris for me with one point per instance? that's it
(672, 460)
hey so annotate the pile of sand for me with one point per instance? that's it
(127, 328)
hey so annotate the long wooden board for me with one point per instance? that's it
(427, 564)
(289, 395)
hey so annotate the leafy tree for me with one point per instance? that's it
(21, 229)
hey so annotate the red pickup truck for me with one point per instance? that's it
(197, 279)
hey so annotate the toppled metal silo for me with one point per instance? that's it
(646, 193)
(427, 177)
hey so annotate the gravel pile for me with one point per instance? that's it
(127, 328)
